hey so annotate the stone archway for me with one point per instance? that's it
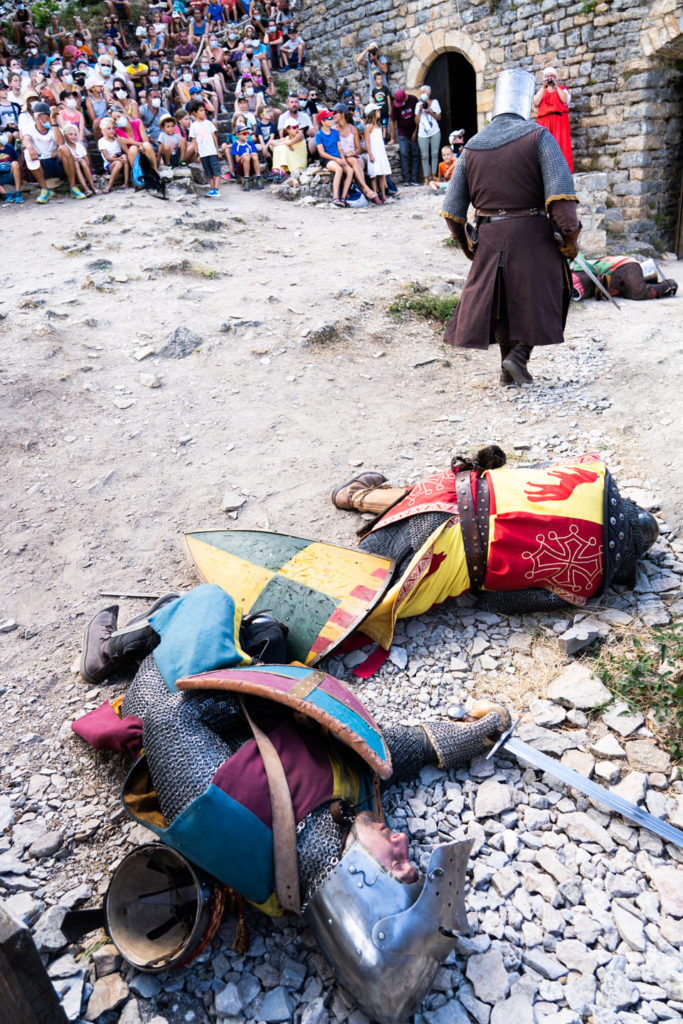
(428, 47)
(663, 34)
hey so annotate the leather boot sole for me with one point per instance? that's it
(517, 370)
(102, 623)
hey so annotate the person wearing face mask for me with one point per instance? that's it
(428, 115)
(69, 114)
(35, 60)
(46, 153)
(181, 88)
(10, 168)
(212, 82)
(22, 26)
(254, 98)
(96, 108)
(124, 99)
(152, 113)
(132, 136)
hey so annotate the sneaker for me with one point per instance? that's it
(259, 183)
(9, 198)
(45, 195)
(213, 192)
(228, 176)
(18, 198)
(246, 187)
(76, 193)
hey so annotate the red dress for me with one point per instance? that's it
(553, 114)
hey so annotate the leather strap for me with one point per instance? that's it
(284, 825)
(474, 526)
(502, 214)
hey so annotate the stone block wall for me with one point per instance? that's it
(620, 59)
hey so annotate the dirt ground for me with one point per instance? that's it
(103, 472)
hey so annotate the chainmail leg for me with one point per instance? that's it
(146, 690)
(519, 602)
(404, 539)
(319, 846)
(410, 750)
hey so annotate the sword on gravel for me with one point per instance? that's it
(569, 777)
(587, 270)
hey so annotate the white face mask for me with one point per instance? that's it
(71, 102)
(154, 79)
(121, 94)
(121, 122)
(203, 78)
(205, 67)
(156, 102)
(3, 139)
(187, 78)
(424, 98)
(105, 72)
(249, 91)
(69, 79)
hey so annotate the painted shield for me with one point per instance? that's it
(314, 694)
(321, 592)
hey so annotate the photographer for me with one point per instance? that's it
(551, 104)
(374, 62)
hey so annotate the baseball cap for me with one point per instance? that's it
(399, 97)
(370, 107)
(325, 115)
(347, 92)
(194, 90)
(41, 108)
(340, 108)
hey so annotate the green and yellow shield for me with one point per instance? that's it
(321, 592)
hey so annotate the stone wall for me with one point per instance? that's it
(621, 61)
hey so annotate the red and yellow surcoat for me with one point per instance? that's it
(545, 530)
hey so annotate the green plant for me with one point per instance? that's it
(281, 87)
(648, 675)
(589, 6)
(420, 302)
(41, 11)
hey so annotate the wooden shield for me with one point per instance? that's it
(321, 592)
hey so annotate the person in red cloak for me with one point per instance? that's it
(552, 103)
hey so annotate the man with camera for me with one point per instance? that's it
(374, 61)
(551, 104)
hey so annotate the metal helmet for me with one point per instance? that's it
(514, 93)
(385, 939)
(160, 911)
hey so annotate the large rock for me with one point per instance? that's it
(617, 992)
(108, 993)
(629, 927)
(645, 756)
(581, 634)
(518, 1009)
(580, 826)
(622, 718)
(580, 993)
(578, 687)
(543, 964)
(488, 976)
(48, 935)
(668, 881)
(277, 1005)
(181, 344)
(493, 798)
(632, 787)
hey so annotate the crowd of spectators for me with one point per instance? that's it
(97, 106)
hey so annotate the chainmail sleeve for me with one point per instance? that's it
(558, 182)
(457, 199)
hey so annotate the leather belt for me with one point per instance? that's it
(485, 216)
(474, 526)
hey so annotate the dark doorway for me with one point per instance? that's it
(453, 83)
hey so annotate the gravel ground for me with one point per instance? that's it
(575, 914)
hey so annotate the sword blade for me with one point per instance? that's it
(587, 270)
(591, 789)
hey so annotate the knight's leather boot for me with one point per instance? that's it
(106, 649)
(457, 743)
(663, 288)
(515, 363)
(506, 379)
(367, 492)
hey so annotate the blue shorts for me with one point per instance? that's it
(52, 167)
(6, 173)
(211, 165)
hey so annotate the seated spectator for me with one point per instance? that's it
(69, 114)
(46, 154)
(132, 136)
(302, 119)
(152, 45)
(141, 30)
(184, 124)
(290, 154)
(83, 32)
(80, 158)
(171, 145)
(96, 107)
(54, 35)
(211, 82)
(292, 51)
(152, 114)
(265, 133)
(182, 86)
(274, 39)
(219, 64)
(184, 51)
(124, 99)
(327, 142)
(217, 15)
(245, 156)
(446, 168)
(34, 58)
(254, 97)
(159, 27)
(242, 110)
(22, 26)
(198, 26)
(9, 116)
(308, 102)
(203, 131)
(119, 11)
(10, 170)
(136, 70)
(349, 145)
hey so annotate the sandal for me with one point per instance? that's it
(376, 200)
(338, 202)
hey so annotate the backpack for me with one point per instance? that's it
(355, 198)
(145, 176)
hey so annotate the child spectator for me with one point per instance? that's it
(265, 132)
(171, 144)
(246, 159)
(204, 131)
(217, 16)
(446, 168)
(327, 141)
(113, 156)
(290, 154)
(184, 124)
(80, 157)
(292, 51)
(378, 163)
(379, 94)
(69, 114)
(10, 170)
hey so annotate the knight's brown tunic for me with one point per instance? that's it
(517, 271)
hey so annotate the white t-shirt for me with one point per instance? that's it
(109, 148)
(45, 145)
(426, 124)
(205, 134)
(78, 150)
(302, 117)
